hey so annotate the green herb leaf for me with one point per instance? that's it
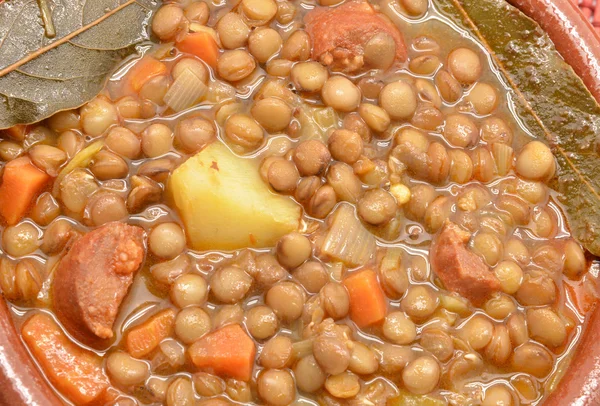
(40, 75)
(550, 98)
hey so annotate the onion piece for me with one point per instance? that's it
(347, 239)
(80, 160)
(503, 155)
(171, 352)
(301, 349)
(185, 91)
(315, 122)
(392, 259)
(325, 117)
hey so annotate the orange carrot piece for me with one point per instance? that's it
(367, 303)
(74, 371)
(584, 294)
(143, 339)
(201, 44)
(22, 182)
(16, 132)
(144, 70)
(226, 352)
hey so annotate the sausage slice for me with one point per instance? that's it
(92, 279)
(461, 270)
(339, 34)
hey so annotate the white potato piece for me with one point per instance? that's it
(225, 205)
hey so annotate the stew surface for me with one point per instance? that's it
(293, 203)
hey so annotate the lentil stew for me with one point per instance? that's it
(293, 203)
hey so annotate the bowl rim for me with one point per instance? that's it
(22, 382)
(579, 44)
(572, 34)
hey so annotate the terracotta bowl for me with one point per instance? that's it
(21, 383)
(579, 44)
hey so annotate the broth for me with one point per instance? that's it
(431, 327)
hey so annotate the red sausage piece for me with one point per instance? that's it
(461, 270)
(339, 34)
(93, 278)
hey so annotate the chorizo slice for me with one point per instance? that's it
(461, 270)
(94, 276)
(339, 34)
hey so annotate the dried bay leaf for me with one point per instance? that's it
(551, 100)
(40, 76)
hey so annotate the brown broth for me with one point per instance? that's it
(145, 298)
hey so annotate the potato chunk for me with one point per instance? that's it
(225, 205)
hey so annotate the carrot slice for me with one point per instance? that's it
(74, 371)
(22, 182)
(226, 352)
(143, 339)
(144, 70)
(201, 44)
(367, 303)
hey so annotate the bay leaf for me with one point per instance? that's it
(40, 76)
(551, 100)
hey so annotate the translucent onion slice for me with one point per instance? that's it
(325, 117)
(80, 160)
(348, 240)
(185, 91)
(315, 121)
(173, 352)
(392, 259)
(503, 155)
(301, 349)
